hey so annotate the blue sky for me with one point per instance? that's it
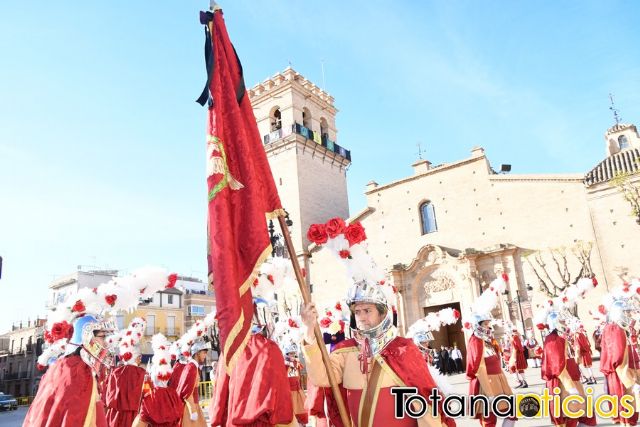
(102, 144)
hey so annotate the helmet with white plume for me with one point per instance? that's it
(348, 244)
(480, 318)
(160, 367)
(86, 310)
(422, 330)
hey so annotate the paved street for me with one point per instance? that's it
(13, 418)
(459, 383)
(536, 385)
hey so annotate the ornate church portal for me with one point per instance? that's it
(441, 277)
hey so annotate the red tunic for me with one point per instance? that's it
(176, 374)
(257, 394)
(554, 363)
(65, 395)
(161, 407)
(188, 380)
(123, 394)
(616, 358)
(517, 353)
(584, 349)
(495, 378)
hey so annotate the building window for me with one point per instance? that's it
(151, 324)
(276, 119)
(306, 118)
(170, 299)
(171, 326)
(196, 310)
(623, 142)
(428, 218)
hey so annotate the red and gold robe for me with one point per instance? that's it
(123, 395)
(178, 367)
(188, 392)
(560, 370)
(67, 397)
(517, 362)
(619, 364)
(369, 399)
(583, 350)
(257, 394)
(485, 374)
(161, 407)
(297, 394)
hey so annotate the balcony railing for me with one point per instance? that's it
(297, 128)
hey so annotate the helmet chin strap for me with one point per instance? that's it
(365, 354)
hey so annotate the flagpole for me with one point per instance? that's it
(306, 298)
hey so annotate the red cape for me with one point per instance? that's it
(405, 359)
(614, 344)
(554, 361)
(161, 407)
(257, 393)
(122, 395)
(189, 379)
(176, 374)
(63, 396)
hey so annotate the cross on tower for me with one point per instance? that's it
(420, 151)
(613, 108)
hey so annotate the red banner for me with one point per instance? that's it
(241, 191)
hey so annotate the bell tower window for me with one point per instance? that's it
(324, 127)
(623, 142)
(276, 119)
(306, 118)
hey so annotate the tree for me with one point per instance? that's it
(627, 185)
(552, 266)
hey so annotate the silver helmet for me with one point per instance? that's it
(621, 312)
(422, 337)
(199, 345)
(483, 332)
(365, 292)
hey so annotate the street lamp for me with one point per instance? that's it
(517, 300)
(277, 240)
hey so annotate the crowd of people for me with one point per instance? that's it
(95, 377)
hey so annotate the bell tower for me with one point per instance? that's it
(297, 122)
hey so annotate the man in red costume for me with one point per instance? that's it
(517, 361)
(484, 369)
(188, 386)
(560, 371)
(69, 394)
(181, 360)
(257, 392)
(619, 360)
(161, 406)
(582, 348)
(294, 367)
(372, 362)
(124, 384)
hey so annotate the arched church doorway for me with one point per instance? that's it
(448, 335)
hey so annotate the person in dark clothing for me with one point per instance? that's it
(444, 361)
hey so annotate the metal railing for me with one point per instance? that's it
(205, 392)
(320, 139)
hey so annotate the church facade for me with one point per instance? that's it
(445, 232)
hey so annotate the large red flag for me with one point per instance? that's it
(242, 193)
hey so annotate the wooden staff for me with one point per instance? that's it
(306, 298)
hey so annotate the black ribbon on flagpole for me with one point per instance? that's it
(206, 97)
